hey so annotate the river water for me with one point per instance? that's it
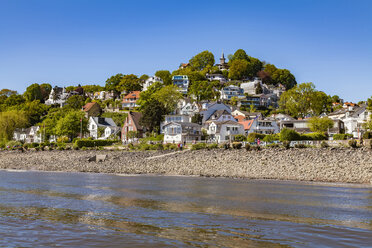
(47, 209)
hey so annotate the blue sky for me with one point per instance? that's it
(68, 42)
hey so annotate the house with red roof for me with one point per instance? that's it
(92, 109)
(132, 129)
(130, 100)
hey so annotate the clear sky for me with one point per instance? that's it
(67, 42)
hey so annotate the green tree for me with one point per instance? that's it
(317, 124)
(33, 92)
(239, 54)
(113, 82)
(9, 121)
(146, 95)
(254, 66)
(70, 124)
(204, 90)
(14, 100)
(369, 104)
(303, 100)
(144, 77)
(152, 115)
(7, 92)
(169, 96)
(129, 83)
(96, 88)
(202, 60)
(197, 118)
(45, 90)
(76, 102)
(238, 69)
(165, 76)
(284, 77)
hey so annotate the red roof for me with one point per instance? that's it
(247, 124)
(239, 118)
(88, 106)
(132, 95)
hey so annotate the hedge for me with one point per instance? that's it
(253, 136)
(342, 136)
(92, 143)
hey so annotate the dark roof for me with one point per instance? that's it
(136, 117)
(218, 114)
(89, 105)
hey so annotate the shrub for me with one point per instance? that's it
(274, 145)
(62, 139)
(289, 135)
(158, 147)
(367, 135)
(198, 146)
(286, 144)
(324, 144)
(240, 137)
(353, 143)
(247, 147)
(75, 147)
(237, 145)
(342, 136)
(13, 144)
(92, 143)
(170, 146)
(212, 146)
(271, 137)
(83, 148)
(253, 136)
(255, 148)
(226, 146)
(300, 146)
(313, 136)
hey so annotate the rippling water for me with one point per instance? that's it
(98, 210)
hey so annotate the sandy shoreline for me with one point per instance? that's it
(342, 165)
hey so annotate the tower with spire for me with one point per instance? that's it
(222, 65)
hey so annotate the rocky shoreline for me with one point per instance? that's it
(344, 165)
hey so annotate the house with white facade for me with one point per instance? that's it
(224, 131)
(210, 108)
(260, 126)
(150, 81)
(180, 132)
(231, 91)
(216, 77)
(221, 115)
(250, 87)
(97, 127)
(58, 96)
(182, 82)
(174, 118)
(28, 135)
(130, 100)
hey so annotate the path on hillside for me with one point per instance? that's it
(168, 154)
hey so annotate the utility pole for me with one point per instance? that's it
(81, 128)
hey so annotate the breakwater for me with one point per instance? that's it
(312, 164)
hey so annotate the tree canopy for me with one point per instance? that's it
(129, 83)
(202, 60)
(317, 124)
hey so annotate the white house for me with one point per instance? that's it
(96, 123)
(179, 132)
(221, 115)
(150, 81)
(250, 87)
(260, 126)
(216, 77)
(210, 108)
(189, 108)
(231, 91)
(224, 131)
(28, 135)
(173, 118)
(57, 95)
(182, 82)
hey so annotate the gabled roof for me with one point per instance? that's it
(88, 106)
(133, 94)
(247, 124)
(103, 122)
(183, 124)
(218, 114)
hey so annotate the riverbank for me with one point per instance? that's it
(343, 165)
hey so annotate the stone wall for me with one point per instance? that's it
(310, 164)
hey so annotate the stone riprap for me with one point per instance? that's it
(323, 165)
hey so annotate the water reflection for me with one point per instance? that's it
(181, 211)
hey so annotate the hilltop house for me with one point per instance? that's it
(57, 95)
(180, 132)
(150, 81)
(182, 82)
(102, 128)
(132, 130)
(224, 131)
(130, 100)
(104, 95)
(222, 66)
(216, 77)
(92, 109)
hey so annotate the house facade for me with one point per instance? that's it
(231, 91)
(92, 109)
(182, 82)
(97, 127)
(216, 77)
(28, 135)
(132, 130)
(224, 131)
(210, 108)
(58, 96)
(130, 100)
(150, 81)
(260, 126)
(180, 132)
(174, 118)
